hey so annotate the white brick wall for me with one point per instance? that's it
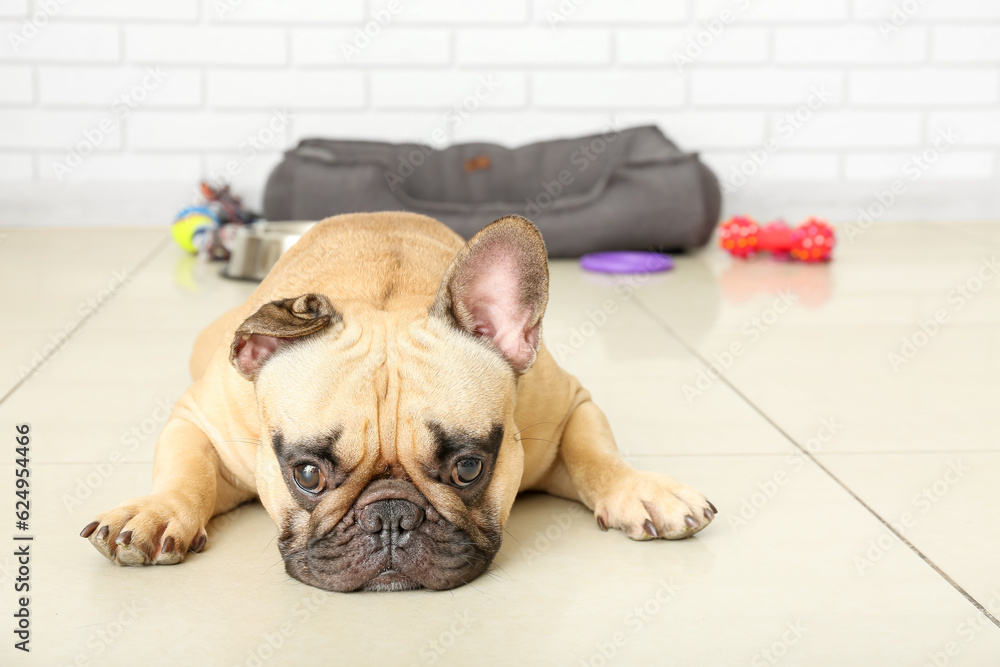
(238, 81)
(350, 47)
(13, 7)
(16, 86)
(68, 86)
(285, 11)
(232, 88)
(209, 45)
(407, 89)
(966, 44)
(658, 46)
(116, 10)
(533, 45)
(59, 41)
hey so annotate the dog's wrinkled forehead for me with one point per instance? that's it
(494, 292)
(387, 378)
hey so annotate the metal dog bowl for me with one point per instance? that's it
(257, 247)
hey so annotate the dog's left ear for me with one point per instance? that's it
(497, 287)
(276, 325)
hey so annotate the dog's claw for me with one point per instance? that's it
(124, 538)
(102, 534)
(690, 521)
(600, 524)
(168, 545)
(709, 514)
(199, 542)
(712, 507)
(650, 528)
(89, 529)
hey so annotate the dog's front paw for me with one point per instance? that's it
(646, 505)
(151, 530)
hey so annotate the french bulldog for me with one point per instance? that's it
(385, 392)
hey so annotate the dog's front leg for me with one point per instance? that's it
(644, 505)
(188, 490)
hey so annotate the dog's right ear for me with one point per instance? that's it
(276, 325)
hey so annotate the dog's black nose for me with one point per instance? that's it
(393, 514)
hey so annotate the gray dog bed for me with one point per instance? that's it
(624, 190)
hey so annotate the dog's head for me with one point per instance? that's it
(389, 457)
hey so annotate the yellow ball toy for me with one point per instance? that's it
(188, 224)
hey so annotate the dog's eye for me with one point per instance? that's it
(466, 472)
(308, 477)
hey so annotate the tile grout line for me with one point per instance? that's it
(83, 322)
(725, 380)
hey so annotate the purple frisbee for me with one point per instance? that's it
(626, 261)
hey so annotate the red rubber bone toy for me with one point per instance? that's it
(812, 241)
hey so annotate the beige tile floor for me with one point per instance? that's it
(812, 446)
